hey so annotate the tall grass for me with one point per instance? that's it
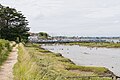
(35, 63)
(5, 49)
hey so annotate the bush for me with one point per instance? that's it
(5, 48)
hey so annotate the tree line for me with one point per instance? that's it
(13, 25)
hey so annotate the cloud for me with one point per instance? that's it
(71, 17)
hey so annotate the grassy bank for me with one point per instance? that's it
(97, 44)
(35, 63)
(5, 49)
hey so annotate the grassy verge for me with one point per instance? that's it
(5, 49)
(35, 63)
(97, 44)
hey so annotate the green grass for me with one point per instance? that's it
(97, 44)
(35, 63)
(97, 70)
(5, 49)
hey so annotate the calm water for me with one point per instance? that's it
(105, 57)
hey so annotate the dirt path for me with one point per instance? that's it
(6, 71)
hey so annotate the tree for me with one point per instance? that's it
(13, 25)
(43, 35)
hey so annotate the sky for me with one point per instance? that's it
(70, 17)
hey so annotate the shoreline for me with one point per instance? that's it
(97, 44)
(92, 65)
(43, 65)
(109, 71)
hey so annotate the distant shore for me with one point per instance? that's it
(97, 44)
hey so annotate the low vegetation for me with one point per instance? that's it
(35, 63)
(97, 44)
(5, 49)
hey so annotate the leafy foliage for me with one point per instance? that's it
(13, 25)
(43, 35)
(5, 48)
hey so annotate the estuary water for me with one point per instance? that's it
(86, 56)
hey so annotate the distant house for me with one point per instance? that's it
(33, 37)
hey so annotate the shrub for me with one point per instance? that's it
(5, 48)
